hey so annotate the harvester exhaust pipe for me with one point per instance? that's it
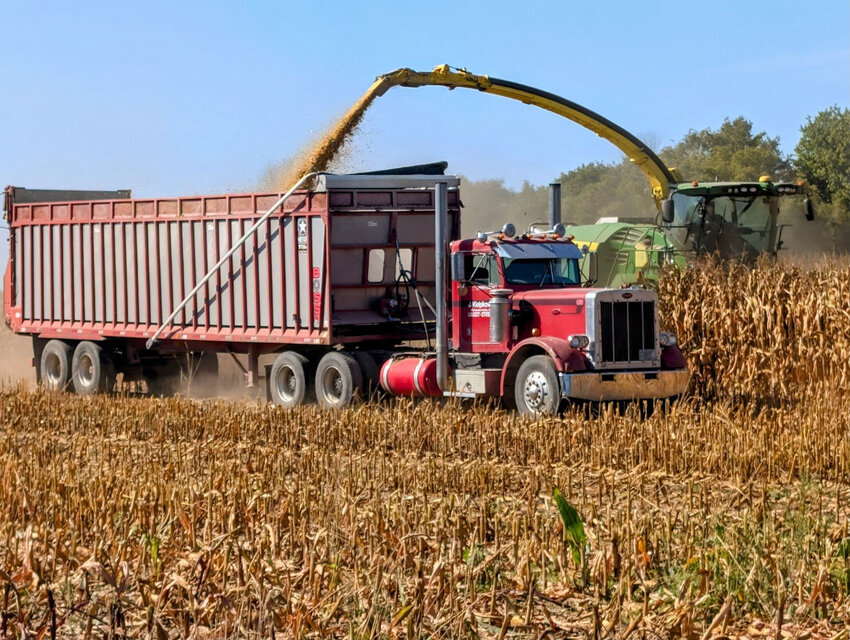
(554, 204)
(441, 215)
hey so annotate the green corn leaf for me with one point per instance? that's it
(844, 549)
(573, 526)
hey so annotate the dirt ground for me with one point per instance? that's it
(15, 358)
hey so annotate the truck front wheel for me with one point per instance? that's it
(536, 389)
(289, 384)
(55, 365)
(338, 380)
(92, 369)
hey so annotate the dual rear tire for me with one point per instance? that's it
(87, 367)
(290, 383)
(336, 382)
(55, 365)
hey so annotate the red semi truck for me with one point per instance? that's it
(362, 280)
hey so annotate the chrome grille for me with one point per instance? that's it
(627, 331)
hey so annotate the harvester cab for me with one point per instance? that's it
(734, 220)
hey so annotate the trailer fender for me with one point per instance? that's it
(563, 355)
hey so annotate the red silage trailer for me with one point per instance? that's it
(337, 264)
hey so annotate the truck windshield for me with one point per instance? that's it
(559, 271)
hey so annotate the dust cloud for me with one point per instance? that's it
(15, 358)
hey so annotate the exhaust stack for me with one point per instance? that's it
(554, 204)
(440, 224)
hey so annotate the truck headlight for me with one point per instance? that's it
(579, 341)
(667, 339)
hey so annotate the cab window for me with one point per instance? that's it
(481, 269)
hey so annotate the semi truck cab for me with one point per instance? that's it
(521, 308)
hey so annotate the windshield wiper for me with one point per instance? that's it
(546, 271)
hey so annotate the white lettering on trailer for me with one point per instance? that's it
(302, 234)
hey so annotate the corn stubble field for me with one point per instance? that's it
(725, 516)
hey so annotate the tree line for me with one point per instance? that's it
(733, 152)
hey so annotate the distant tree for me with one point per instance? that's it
(823, 160)
(597, 190)
(732, 152)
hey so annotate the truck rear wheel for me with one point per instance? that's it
(370, 371)
(55, 365)
(92, 370)
(338, 380)
(536, 389)
(290, 383)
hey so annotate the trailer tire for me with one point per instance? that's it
(370, 371)
(92, 370)
(290, 383)
(537, 391)
(338, 380)
(55, 365)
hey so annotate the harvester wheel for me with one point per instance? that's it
(92, 370)
(290, 383)
(536, 389)
(338, 380)
(55, 365)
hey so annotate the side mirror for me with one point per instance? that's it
(592, 268)
(809, 208)
(667, 211)
(509, 230)
(457, 267)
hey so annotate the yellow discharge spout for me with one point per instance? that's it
(659, 176)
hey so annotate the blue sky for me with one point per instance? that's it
(171, 98)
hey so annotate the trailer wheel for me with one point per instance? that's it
(338, 380)
(92, 369)
(55, 365)
(289, 382)
(536, 389)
